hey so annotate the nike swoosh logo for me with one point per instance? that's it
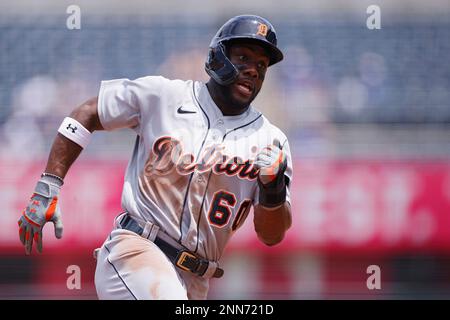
(180, 110)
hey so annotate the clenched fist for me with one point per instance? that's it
(43, 207)
(272, 163)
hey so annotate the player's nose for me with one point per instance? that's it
(250, 71)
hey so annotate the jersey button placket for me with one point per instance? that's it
(217, 132)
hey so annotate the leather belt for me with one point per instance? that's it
(179, 255)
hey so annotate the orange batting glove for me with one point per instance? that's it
(43, 207)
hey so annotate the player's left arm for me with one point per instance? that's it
(272, 215)
(272, 224)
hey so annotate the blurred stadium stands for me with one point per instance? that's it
(343, 93)
(394, 81)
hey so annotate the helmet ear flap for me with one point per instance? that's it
(213, 62)
(219, 67)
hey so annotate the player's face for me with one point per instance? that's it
(252, 62)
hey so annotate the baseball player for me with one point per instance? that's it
(203, 157)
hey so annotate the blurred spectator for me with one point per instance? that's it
(34, 101)
(187, 66)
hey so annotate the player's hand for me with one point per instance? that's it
(271, 162)
(43, 207)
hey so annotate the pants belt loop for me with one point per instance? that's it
(212, 266)
(150, 231)
(119, 218)
(153, 233)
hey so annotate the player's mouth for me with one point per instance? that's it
(245, 87)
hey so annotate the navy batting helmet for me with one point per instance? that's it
(250, 28)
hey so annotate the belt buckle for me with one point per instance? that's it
(182, 259)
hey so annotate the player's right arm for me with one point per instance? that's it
(64, 151)
(118, 105)
(43, 205)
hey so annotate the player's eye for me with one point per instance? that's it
(242, 57)
(262, 66)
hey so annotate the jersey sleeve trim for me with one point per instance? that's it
(100, 105)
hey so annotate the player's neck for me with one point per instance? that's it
(219, 95)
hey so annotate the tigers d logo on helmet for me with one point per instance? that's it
(262, 29)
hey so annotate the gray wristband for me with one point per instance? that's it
(52, 178)
(48, 186)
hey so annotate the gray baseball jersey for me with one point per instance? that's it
(192, 170)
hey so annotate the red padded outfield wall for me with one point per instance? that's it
(337, 205)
